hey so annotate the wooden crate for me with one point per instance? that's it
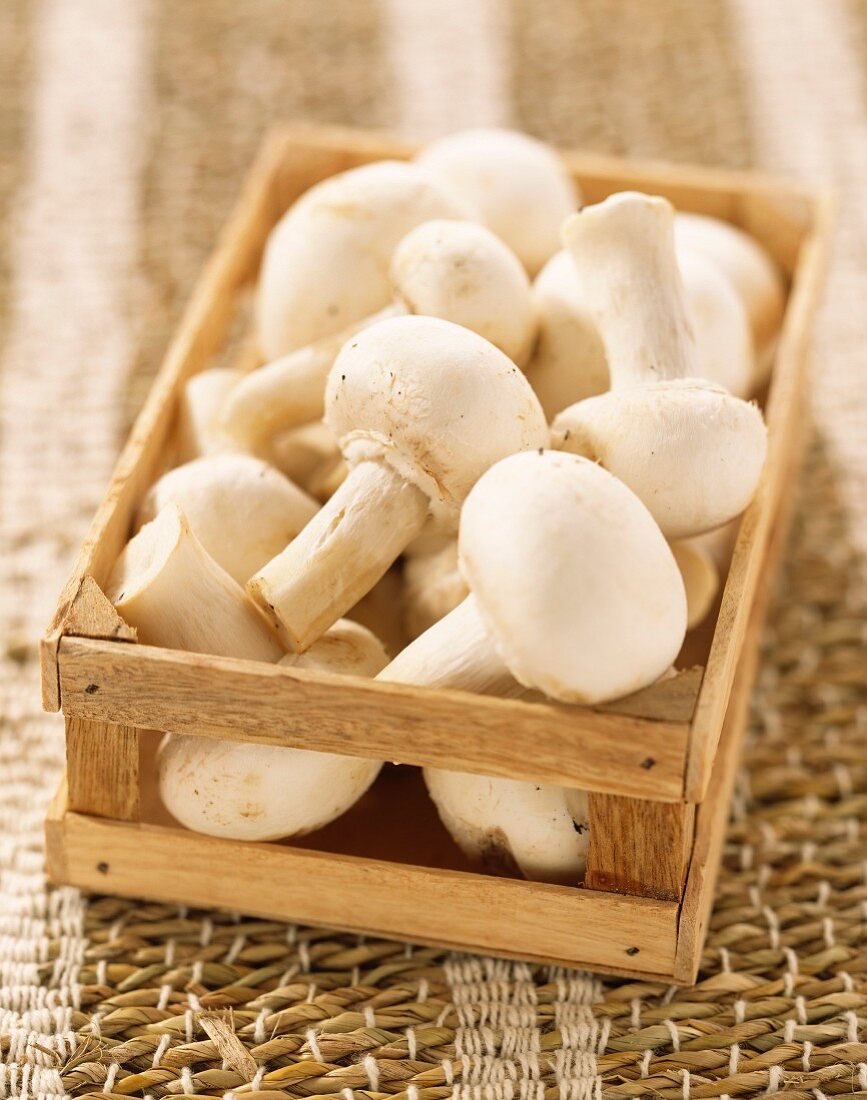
(659, 767)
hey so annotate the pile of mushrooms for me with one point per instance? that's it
(494, 443)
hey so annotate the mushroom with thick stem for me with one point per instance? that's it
(200, 431)
(456, 270)
(569, 362)
(242, 510)
(690, 450)
(422, 407)
(250, 791)
(574, 590)
(514, 184)
(752, 273)
(326, 262)
(539, 829)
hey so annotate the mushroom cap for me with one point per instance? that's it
(436, 401)
(250, 791)
(723, 337)
(432, 587)
(569, 360)
(515, 184)
(325, 265)
(462, 272)
(750, 268)
(574, 580)
(541, 829)
(688, 449)
(347, 647)
(242, 510)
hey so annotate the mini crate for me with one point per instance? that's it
(659, 767)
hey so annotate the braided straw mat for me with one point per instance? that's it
(125, 126)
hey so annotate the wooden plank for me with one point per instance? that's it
(508, 917)
(246, 701)
(748, 572)
(713, 814)
(102, 769)
(638, 846)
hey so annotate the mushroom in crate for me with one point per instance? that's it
(689, 449)
(569, 362)
(455, 270)
(517, 186)
(174, 593)
(422, 407)
(574, 593)
(751, 272)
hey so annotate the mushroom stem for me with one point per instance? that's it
(341, 553)
(624, 252)
(457, 652)
(289, 391)
(170, 589)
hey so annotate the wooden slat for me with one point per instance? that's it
(246, 701)
(102, 769)
(501, 916)
(748, 573)
(713, 813)
(638, 846)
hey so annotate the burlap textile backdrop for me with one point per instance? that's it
(125, 126)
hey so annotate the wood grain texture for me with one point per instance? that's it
(102, 769)
(246, 701)
(749, 573)
(639, 847)
(712, 814)
(500, 916)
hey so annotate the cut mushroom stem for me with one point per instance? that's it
(341, 553)
(422, 407)
(200, 431)
(170, 589)
(691, 452)
(574, 590)
(455, 270)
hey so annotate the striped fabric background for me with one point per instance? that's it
(125, 127)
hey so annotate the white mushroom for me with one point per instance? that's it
(723, 337)
(432, 587)
(455, 270)
(515, 184)
(326, 263)
(250, 791)
(691, 451)
(569, 361)
(752, 272)
(700, 579)
(574, 590)
(199, 430)
(242, 510)
(507, 824)
(171, 590)
(301, 453)
(422, 408)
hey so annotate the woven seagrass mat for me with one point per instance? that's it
(124, 130)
